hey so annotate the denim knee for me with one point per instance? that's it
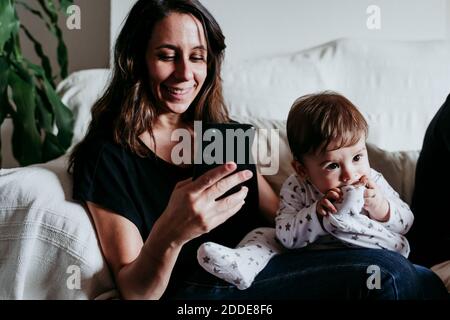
(399, 279)
(432, 286)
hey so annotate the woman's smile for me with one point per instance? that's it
(175, 93)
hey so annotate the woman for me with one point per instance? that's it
(430, 235)
(151, 217)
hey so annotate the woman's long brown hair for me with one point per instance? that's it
(128, 108)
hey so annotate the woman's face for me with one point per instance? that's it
(177, 61)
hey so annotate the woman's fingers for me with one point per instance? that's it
(212, 176)
(225, 204)
(183, 183)
(225, 184)
(229, 212)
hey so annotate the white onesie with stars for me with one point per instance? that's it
(297, 225)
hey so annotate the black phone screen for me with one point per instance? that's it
(224, 142)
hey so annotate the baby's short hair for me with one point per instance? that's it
(315, 120)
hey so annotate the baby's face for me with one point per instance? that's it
(337, 168)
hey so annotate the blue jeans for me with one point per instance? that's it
(330, 274)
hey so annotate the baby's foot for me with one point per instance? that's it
(236, 266)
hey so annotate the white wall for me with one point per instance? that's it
(447, 9)
(258, 28)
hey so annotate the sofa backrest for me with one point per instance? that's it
(397, 85)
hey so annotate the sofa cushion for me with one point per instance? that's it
(399, 168)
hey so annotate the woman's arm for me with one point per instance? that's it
(141, 271)
(268, 200)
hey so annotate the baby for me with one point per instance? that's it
(334, 199)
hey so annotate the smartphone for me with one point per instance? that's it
(224, 142)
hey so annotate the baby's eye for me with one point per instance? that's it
(357, 158)
(332, 166)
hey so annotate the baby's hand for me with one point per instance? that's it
(325, 205)
(375, 202)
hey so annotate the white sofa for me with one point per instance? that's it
(48, 243)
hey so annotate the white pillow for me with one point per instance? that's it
(79, 92)
(397, 95)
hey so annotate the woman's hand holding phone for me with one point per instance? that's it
(193, 208)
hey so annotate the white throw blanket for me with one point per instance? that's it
(48, 244)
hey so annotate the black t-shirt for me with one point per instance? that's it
(139, 189)
(430, 233)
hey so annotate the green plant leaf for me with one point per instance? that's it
(26, 137)
(4, 74)
(51, 103)
(8, 22)
(35, 12)
(40, 52)
(39, 75)
(44, 116)
(43, 125)
(51, 149)
(63, 116)
(48, 6)
(64, 4)
(37, 46)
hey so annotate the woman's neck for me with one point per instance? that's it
(168, 121)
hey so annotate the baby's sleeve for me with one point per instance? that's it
(401, 217)
(297, 224)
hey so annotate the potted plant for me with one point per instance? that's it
(42, 124)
